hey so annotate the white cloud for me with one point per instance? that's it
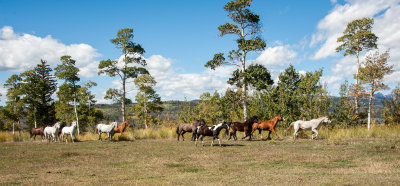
(333, 25)
(172, 85)
(19, 52)
(278, 55)
(386, 27)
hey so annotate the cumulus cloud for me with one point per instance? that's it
(386, 27)
(277, 56)
(19, 52)
(172, 85)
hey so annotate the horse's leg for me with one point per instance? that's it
(212, 142)
(202, 141)
(179, 133)
(294, 134)
(72, 138)
(183, 138)
(315, 132)
(273, 131)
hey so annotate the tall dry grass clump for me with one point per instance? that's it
(160, 133)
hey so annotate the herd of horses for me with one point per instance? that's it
(57, 131)
(199, 128)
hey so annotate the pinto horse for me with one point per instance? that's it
(211, 131)
(37, 131)
(267, 125)
(121, 127)
(308, 125)
(245, 127)
(189, 127)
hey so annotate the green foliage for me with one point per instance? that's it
(246, 27)
(256, 76)
(132, 55)
(375, 67)
(148, 101)
(391, 109)
(14, 110)
(38, 87)
(357, 36)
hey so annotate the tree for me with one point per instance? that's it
(69, 73)
(14, 110)
(357, 37)
(132, 55)
(286, 94)
(374, 69)
(89, 116)
(246, 26)
(209, 107)
(147, 99)
(343, 111)
(38, 87)
(391, 107)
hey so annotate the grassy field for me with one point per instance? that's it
(348, 157)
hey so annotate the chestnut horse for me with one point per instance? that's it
(37, 131)
(189, 127)
(121, 127)
(245, 127)
(267, 125)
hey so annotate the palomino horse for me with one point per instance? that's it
(121, 127)
(267, 125)
(189, 127)
(211, 131)
(37, 131)
(108, 129)
(51, 132)
(69, 131)
(245, 127)
(308, 125)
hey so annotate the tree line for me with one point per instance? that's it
(295, 96)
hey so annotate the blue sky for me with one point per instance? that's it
(180, 36)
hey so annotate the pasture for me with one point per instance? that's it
(344, 158)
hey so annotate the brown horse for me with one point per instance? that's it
(243, 127)
(37, 131)
(121, 127)
(267, 125)
(189, 127)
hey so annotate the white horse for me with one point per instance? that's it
(108, 129)
(69, 131)
(51, 132)
(308, 125)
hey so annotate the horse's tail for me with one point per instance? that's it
(177, 130)
(290, 126)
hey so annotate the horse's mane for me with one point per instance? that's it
(251, 120)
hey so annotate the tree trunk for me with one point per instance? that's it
(123, 98)
(244, 86)
(145, 110)
(76, 114)
(358, 69)
(369, 110)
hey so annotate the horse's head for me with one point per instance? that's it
(57, 125)
(253, 120)
(73, 124)
(326, 119)
(226, 125)
(280, 118)
(201, 122)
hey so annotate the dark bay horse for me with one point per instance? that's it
(267, 125)
(245, 127)
(121, 127)
(189, 127)
(213, 131)
(37, 131)
(61, 127)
